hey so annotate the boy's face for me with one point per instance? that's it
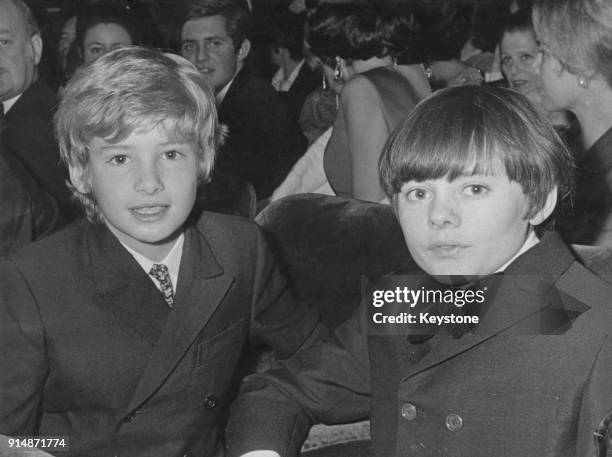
(470, 226)
(145, 187)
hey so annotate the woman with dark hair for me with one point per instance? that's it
(576, 74)
(104, 26)
(357, 45)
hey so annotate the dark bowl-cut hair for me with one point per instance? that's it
(356, 32)
(236, 16)
(107, 12)
(479, 130)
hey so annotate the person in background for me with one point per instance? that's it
(443, 31)
(264, 139)
(575, 74)
(487, 19)
(27, 104)
(103, 26)
(520, 64)
(27, 212)
(294, 79)
(357, 45)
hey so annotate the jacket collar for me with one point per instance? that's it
(123, 286)
(531, 299)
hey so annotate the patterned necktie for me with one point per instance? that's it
(160, 272)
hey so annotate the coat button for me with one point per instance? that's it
(210, 402)
(408, 411)
(129, 418)
(454, 422)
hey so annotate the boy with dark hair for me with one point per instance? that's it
(123, 334)
(471, 173)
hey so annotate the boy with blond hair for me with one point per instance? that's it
(123, 333)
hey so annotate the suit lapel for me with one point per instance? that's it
(233, 97)
(201, 287)
(527, 301)
(123, 288)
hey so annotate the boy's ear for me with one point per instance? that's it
(244, 50)
(79, 179)
(547, 209)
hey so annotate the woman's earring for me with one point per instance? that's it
(583, 81)
(323, 82)
(338, 69)
(427, 70)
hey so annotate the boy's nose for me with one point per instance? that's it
(149, 181)
(443, 214)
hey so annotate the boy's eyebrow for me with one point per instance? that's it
(110, 146)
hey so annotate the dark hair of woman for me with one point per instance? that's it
(108, 12)
(357, 32)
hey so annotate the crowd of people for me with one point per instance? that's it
(130, 290)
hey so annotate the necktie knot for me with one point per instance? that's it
(160, 272)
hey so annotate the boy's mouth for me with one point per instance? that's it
(149, 212)
(446, 249)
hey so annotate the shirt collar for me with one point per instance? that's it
(8, 104)
(221, 95)
(172, 260)
(531, 240)
(283, 85)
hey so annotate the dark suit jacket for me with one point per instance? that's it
(533, 379)
(89, 349)
(27, 212)
(264, 139)
(306, 81)
(28, 134)
(589, 220)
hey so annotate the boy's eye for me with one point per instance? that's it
(119, 159)
(188, 46)
(506, 60)
(5, 42)
(526, 58)
(173, 154)
(476, 189)
(417, 194)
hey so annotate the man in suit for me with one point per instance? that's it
(294, 80)
(27, 212)
(28, 103)
(522, 368)
(264, 140)
(124, 333)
